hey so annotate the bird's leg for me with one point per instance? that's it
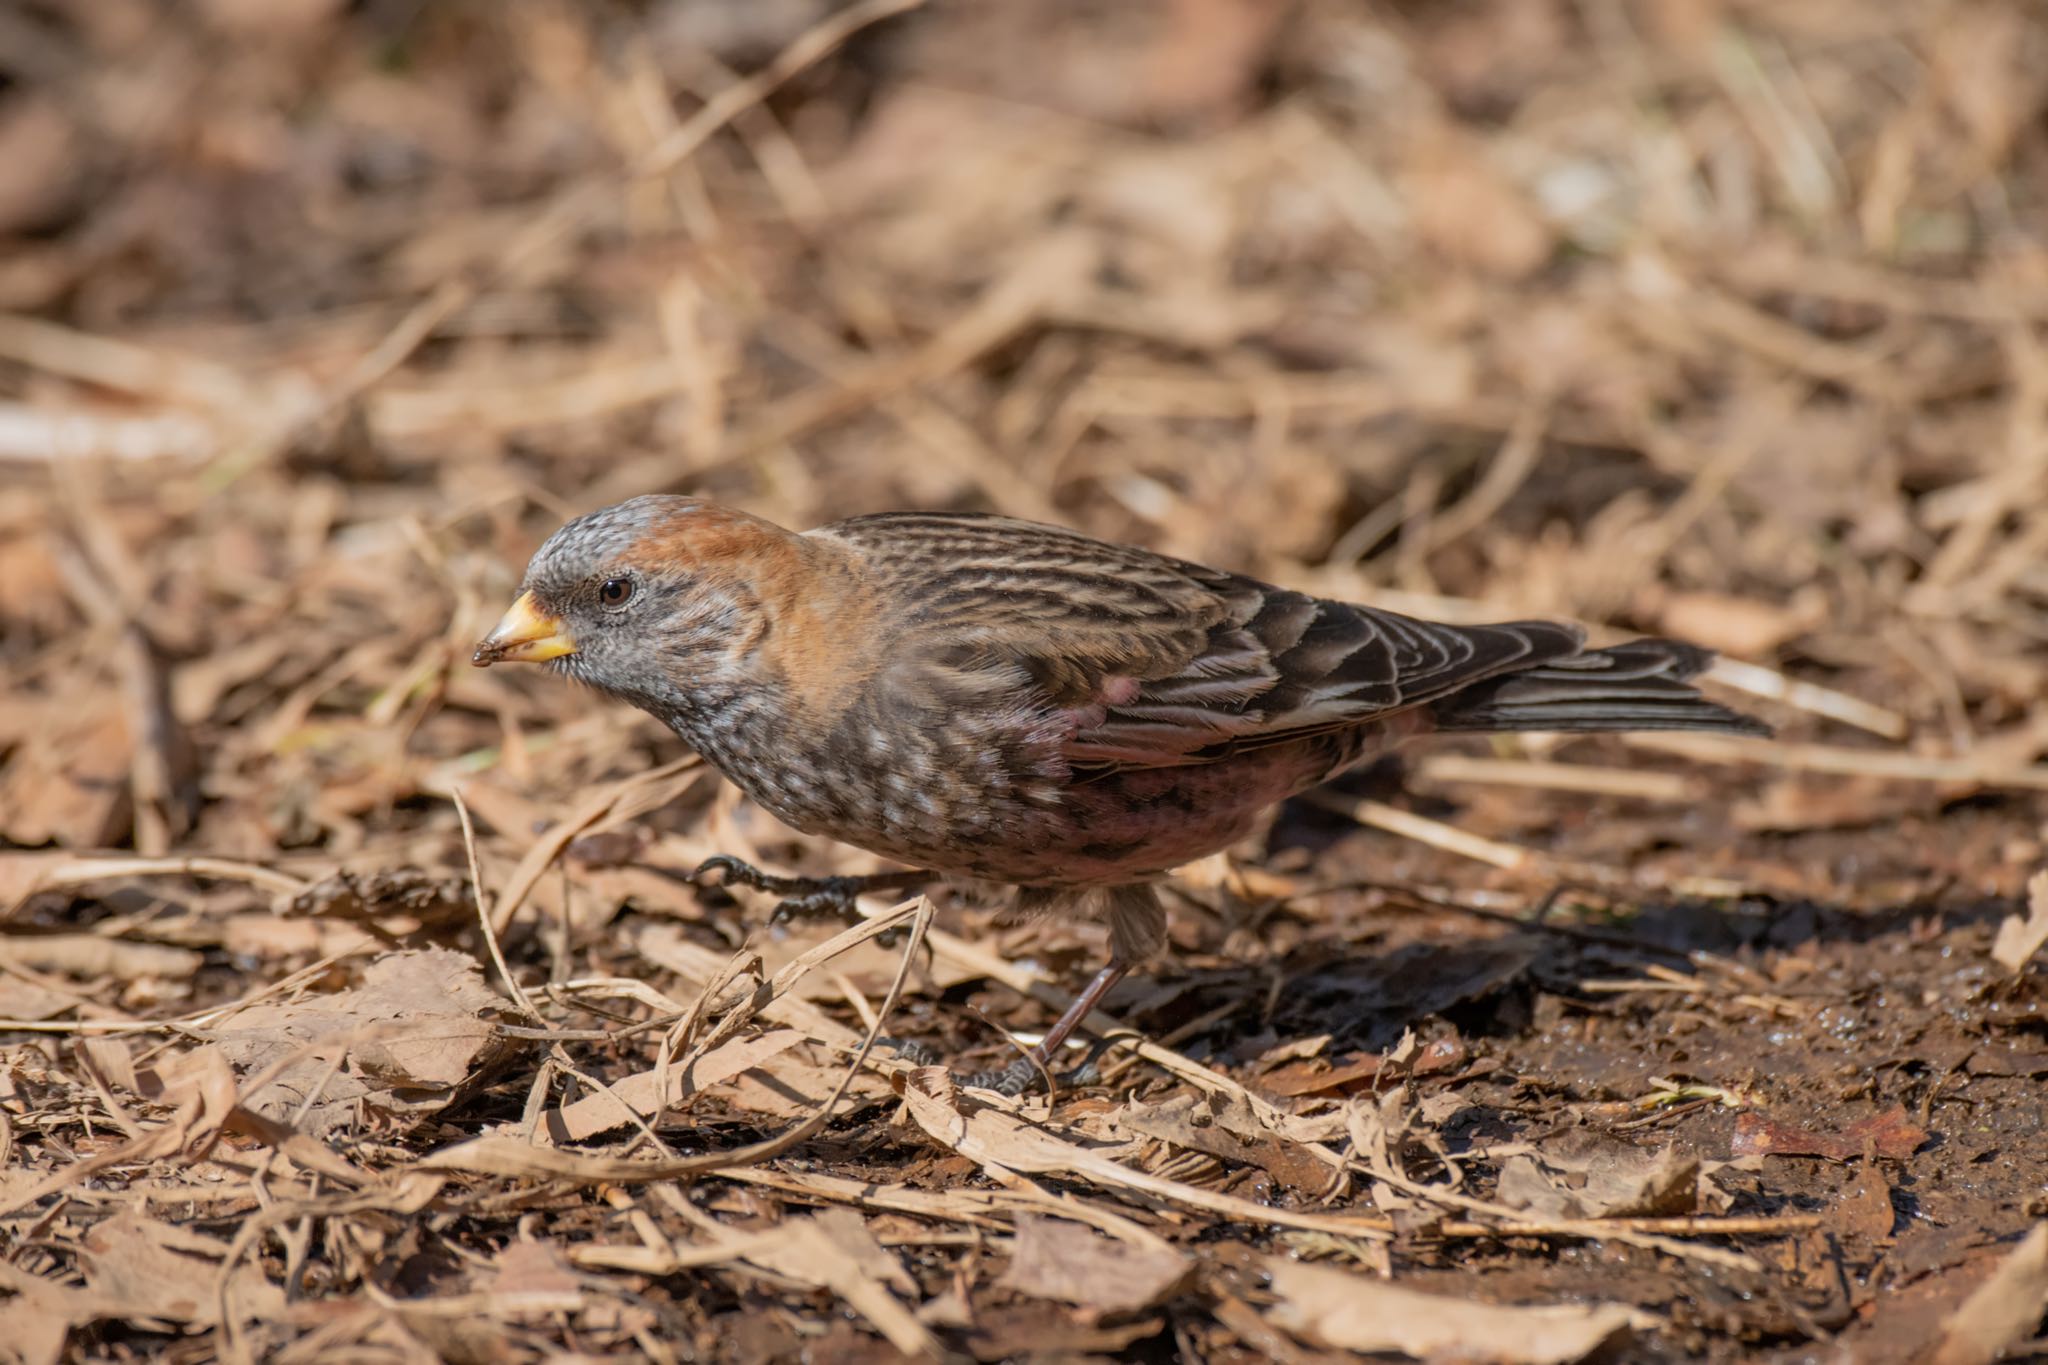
(1137, 929)
(803, 897)
(1025, 1073)
(1034, 1066)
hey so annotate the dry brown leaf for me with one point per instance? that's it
(364, 897)
(2019, 938)
(1803, 802)
(1314, 1076)
(1066, 1262)
(412, 1038)
(68, 783)
(601, 1112)
(27, 1001)
(157, 1271)
(2003, 1311)
(24, 872)
(1599, 1178)
(1355, 1312)
(137, 1270)
(1742, 626)
(1003, 1141)
(792, 1084)
(197, 1086)
(834, 1250)
(38, 1318)
(270, 18)
(1187, 1121)
(84, 955)
(533, 1277)
(1468, 211)
(1887, 1134)
(266, 937)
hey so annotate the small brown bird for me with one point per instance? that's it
(991, 698)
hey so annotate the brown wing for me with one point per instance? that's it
(1157, 661)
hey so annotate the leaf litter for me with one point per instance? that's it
(1618, 1047)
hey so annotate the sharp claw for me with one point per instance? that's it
(731, 871)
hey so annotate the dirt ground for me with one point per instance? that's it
(358, 1004)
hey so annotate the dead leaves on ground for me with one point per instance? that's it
(1082, 1205)
(321, 1079)
(1356, 1312)
(1601, 1178)
(417, 1034)
(1343, 296)
(1052, 1258)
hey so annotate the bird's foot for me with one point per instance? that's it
(1019, 1078)
(802, 898)
(1031, 1070)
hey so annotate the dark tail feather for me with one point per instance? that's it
(1640, 685)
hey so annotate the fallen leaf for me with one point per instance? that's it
(1002, 1141)
(411, 1039)
(1801, 803)
(533, 1277)
(68, 783)
(265, 936)
(1068, 1263)
(1186, 1121)
(1467, 210)
(89, 955)
(1602, 1178)
(1315, 1076)
(198, 1086)
(2020, 938)
(38, 1317)
(834, 1250)
(157, 1271)
(1742, 626)
(791, 1085)
(247, 18)
(1338, 1309)
(24, 872)
(2004, 1311)
(29, 1002)
(601, 1112)
(1887, 1134)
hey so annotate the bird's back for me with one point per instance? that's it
(1151, 661)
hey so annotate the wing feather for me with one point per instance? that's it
(1159, 662)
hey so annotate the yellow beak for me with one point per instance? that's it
(527, 635)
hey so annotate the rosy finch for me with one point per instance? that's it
(996, 699)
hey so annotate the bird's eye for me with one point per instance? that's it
(616, 592)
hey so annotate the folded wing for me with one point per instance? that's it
(1158, 662)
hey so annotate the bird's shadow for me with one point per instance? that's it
(1364, 990)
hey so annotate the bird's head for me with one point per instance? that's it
(658, 600)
